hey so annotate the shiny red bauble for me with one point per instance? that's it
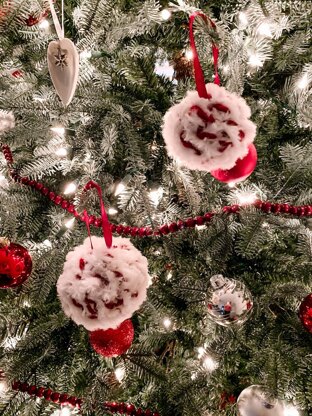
(305, 313)
(113, 342)
(242, 169)
(15, 265)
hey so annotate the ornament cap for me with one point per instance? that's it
(218, 281)
(4, 242)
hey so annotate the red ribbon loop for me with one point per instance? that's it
(106, 228)
(199, 75)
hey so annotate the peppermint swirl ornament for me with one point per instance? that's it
(210, 129)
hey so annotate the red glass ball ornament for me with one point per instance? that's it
(113, 342)
(15, 264)
(242, 169)
(305, 313)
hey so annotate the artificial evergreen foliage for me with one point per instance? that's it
(112, 136)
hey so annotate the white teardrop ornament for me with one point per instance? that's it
(63, 63)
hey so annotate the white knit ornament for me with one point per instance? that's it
(6, 121)
(209, 134)
(100, 287)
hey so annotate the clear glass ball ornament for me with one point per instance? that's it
(228, 301)
(258, 401)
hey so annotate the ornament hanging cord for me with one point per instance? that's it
(199, 75)
(58, 27)
(265, 206)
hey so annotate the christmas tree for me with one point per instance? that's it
(229, 262)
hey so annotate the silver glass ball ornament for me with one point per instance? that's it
(228, 301)
(258, 401)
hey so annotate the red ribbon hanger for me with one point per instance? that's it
(199, 75)
(106, 228)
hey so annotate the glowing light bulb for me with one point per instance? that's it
(169, 276)
(165, 14)
(65, 411)
(291, 411)
(201, 352)
(120, 373)
(47, 243)
(303, 82)
(231, 184)
(44, 24)
(194, 376)
(255, 61)
(62, 152)
(210, 364)
(85, 54)
(70, 188)
(119, 188)
(26, 304)
(167, 323)
(265, 224)
(264, 29)
(156, 195)
(226, 68)
(242, 18)
(200, 227)
(70, 223)
(245, 197)
(189, 54)
(112, 211)
(60, 130)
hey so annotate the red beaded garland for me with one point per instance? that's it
(305, 313)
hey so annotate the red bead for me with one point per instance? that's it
(293, 210)
(130, 409)
(127, 229)
(45, 191)
(164, 229)
(266, 207)
(112, 406)
(308, 210)
(38, 186)
(40, 392)
(32, 390)
(16, 385)
(51, 196)
(235, 208)
(119, 229)
(23, 387)
(72, 400)
(58, 200)
(31, 183)
(156, 414)
(142, 232)
(47, 394)
(285, 208)
(300, 211)
(190, 222)
(25, 180)
(208, 217)
(173, 227)
(63, 399)
(200, 220)
(64, 204)
(122, 407)
(276, 208)
(226, 209)
(91, 218)
(98, 222)
(134, 231)
(258, 203)
(139, 412)
(71, 208)
(148, 412)
(55, 397)
(305, 313)
(181, 224)
(149, 231)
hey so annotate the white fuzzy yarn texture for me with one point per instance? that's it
(101, 288)
(221, 143)
(7, 121)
